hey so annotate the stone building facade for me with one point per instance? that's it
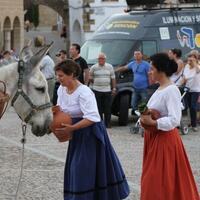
(11, 25)
(85, 16)
(48, 17)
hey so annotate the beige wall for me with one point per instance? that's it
(48, 17)
(13, 30)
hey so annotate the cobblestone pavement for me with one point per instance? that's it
(44, 159)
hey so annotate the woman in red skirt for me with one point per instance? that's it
(166, 171)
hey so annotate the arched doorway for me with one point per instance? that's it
(76, 33)
(15, 36)
(7, 34)
(57, 5)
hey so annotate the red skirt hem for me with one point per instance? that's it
(166, 174)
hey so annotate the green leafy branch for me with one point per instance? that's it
(142, 107)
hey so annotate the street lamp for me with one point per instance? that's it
(86, 7)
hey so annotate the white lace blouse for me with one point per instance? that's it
(81, 103)
(168, 102)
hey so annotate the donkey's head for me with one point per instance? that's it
(32, 102)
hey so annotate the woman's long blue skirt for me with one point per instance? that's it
(92, 170)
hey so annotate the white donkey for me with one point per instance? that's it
(27, 89)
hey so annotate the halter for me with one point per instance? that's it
(20, 91)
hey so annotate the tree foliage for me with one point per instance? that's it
(33, 15)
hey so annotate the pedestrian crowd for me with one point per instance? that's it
(92, 169)
(101, 79)
(187, 75)
(7, 57)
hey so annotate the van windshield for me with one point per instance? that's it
(116, 51)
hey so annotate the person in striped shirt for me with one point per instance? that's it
(103, 80)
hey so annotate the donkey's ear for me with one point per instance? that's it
(37, 57)
(26, 53)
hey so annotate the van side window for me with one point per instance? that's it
(149, 48)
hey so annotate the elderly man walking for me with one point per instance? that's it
(102, 76)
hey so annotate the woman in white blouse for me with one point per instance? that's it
(191, 79)
(92, 169)
(166, 171)
(177, 76)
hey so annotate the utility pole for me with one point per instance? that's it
(67, 23)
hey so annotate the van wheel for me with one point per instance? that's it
(123, 110)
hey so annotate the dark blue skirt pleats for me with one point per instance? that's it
(92, 170)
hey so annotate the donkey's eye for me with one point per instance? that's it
(40, 89)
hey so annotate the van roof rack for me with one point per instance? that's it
(169, 6)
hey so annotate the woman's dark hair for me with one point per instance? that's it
(6, 52)
(69, 67)
(178, 52)
(163, 63)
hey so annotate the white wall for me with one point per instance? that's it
(102, 10)
(76, 13)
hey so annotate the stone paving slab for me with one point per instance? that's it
(44, 159)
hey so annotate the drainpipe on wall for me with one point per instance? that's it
(67, 23)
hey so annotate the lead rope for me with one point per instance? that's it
(23, 141)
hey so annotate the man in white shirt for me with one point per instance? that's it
(47, 68)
